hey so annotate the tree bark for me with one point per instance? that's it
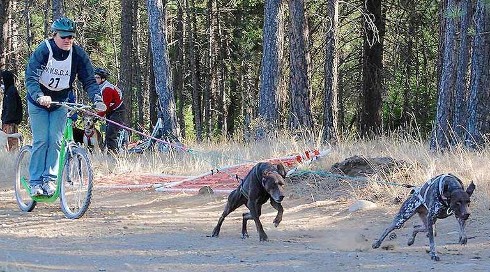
(163, 86)
(13, 62)
(57, 8)
(153, 99)
(480, 78)
(46, 21)
(4, 4)
(179, 67)
(140, 93)
(331, 74)
(270, 73)
(441, 135)
(27, 18)
(407, 57)
(126, 71)
(222, 44)
(372, 68)
(212, 72)
(300, 117)
(460, 107)
(196, 96)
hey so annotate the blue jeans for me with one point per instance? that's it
(47, 133)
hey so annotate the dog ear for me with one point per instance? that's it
(470, 188)
(281, 170)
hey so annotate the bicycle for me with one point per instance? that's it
(157, 133)
(75, 175)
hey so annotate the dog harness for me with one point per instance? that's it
(421, 192)
(243, 191)
(91, 134)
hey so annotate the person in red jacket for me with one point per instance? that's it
(112, 97)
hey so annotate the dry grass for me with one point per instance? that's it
(421, 164)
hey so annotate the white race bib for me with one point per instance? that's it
(56, 75)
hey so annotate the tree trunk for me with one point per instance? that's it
(114, 36)
(153, 99)
(126, 71)
(46, 21)
(14, 47)
(211, 74)
(222, 43)
(331, 74)
(480, 78)
(161, 66)
(4, 4)
(441, 135)
(299, 87)
(460, 107)
(27, 18)
(407, 57)
(372, 68)
(140, 93)
(196, 96)
(178, 75)
(270, 73)
(57, 7)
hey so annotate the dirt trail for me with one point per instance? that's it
(145, 230)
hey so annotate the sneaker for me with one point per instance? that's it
(36, 190)
(49, 187)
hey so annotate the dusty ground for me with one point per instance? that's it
(144, 230)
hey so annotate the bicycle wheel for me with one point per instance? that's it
(22, 195)
(76, 183)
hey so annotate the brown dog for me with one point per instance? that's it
(91, 136)
(438, 198)
(265, 181)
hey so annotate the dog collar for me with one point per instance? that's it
(91, 134)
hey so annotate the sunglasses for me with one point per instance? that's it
(68, 37)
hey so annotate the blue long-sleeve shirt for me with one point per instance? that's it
(81, 67)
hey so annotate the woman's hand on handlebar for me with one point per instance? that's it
(44, 101)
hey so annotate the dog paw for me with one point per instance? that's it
(245, 235)
(276, 222)
(376, 244)
(435, 258)
(463, 240)
(264, 238)
(215, 233)
(410, 242)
